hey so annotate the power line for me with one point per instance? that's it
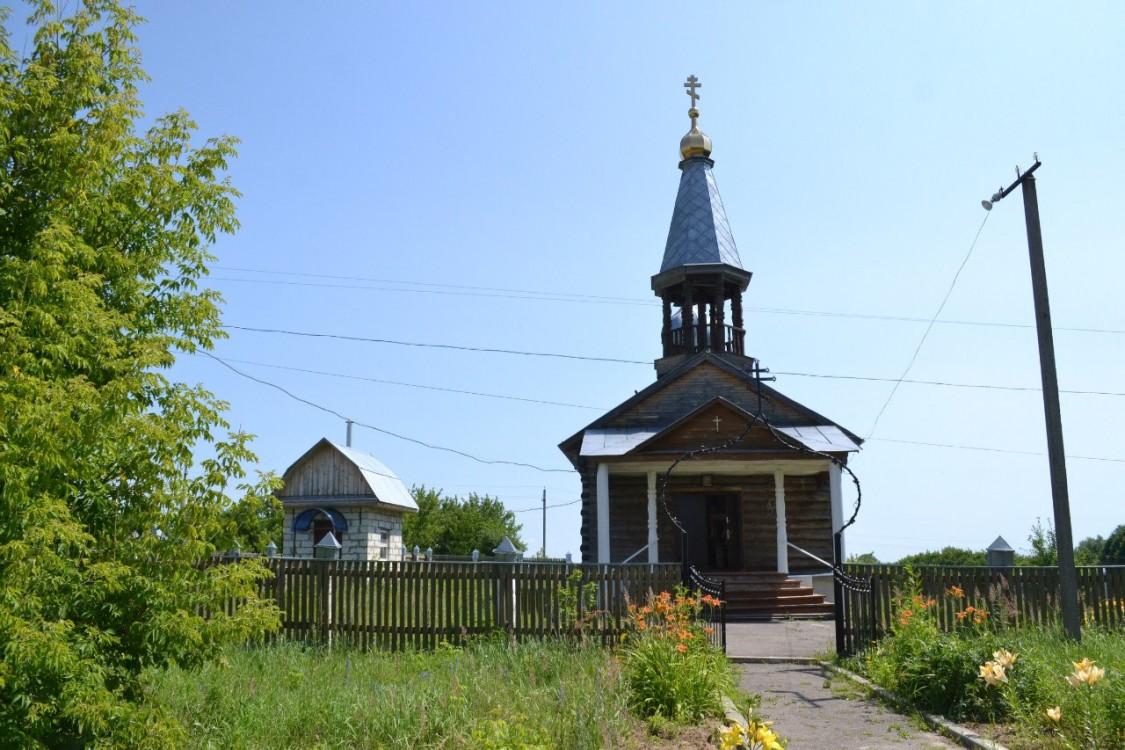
(929, 327)
(415, 385)
(543, 296)
(983, 386)
(369, 340)
(995, 450)
(548, 507)
(380, 430)
(504, 293)
(468, 290)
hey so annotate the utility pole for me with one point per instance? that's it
(544, 551)
(1064, 538)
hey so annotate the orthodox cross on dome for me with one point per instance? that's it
(691, 85)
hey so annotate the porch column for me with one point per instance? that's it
(603, 513)
(837, 494)
(782, 534)
(653, 555)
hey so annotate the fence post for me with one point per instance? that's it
(873, 606)
(838, 595)
(325, 602)
(279, 570)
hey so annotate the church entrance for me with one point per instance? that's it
(712, 521)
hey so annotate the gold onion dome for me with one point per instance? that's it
(696, 142)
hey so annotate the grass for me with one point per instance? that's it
(493, 694)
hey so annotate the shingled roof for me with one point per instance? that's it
(700, 232)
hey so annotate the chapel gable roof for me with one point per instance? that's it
(679, 394)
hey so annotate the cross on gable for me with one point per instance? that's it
(691, 85)
(717, 422)
(756, 371)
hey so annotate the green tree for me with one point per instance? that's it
(423, 529)
(1044, 549)
(1089, 551)
(104, 513)
(947, 556)
(1114, 551)
(866, 558)
(452, 526)
(257, 518)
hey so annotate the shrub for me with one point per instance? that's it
(670, 667)
(1034, 678)
(935, 670)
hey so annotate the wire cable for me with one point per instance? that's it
(503, 293)
(548, 507)
(930, 326)
(995, 450)
(369, 340)
(863, 378)
(380, 430)
(571, 296)
(415, 385)
(983, 386)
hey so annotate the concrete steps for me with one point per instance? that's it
(764, 596)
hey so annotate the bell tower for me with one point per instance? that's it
(701, 271)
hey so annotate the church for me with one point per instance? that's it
(754, 474)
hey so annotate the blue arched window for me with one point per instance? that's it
(321, 521)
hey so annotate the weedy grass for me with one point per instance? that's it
(990, 673)
(493, 694)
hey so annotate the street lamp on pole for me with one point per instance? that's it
(1064, 539)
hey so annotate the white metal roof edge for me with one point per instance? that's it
(384, 483)
(612, 441)
(828, 438)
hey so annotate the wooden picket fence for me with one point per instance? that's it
(1012, 596)
(419, 604)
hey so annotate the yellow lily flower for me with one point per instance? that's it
(1005, 658)
(993, 673)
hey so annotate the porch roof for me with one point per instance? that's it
(824, 438)
(621, 441)
(613, 441)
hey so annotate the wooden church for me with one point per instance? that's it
(752, 493)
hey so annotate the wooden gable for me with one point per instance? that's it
(714, 424)
(695, 388)
(324, 472)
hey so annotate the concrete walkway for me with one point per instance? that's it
(813, 710)
(778, 639)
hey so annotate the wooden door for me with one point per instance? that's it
(712, 524)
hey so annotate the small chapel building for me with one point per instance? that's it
(351, 495)
(765, 478)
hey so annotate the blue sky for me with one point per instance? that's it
(401, 162)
